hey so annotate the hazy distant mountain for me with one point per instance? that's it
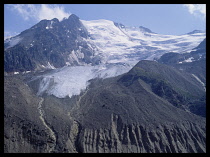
(196, 31)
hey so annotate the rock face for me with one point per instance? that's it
(112, 115)
(49, 43)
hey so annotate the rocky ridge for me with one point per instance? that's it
(49, 44)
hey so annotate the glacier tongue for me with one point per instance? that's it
(69, 81)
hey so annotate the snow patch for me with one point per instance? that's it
(15, 73)
(49, 26)
(203, 84)
(25, 72)
(187, 60)
(67, 63)
(76, 55)
(49, 66)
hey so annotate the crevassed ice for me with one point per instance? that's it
(69, 81)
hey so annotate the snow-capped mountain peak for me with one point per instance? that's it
(103, 47)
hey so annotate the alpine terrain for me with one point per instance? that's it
(76, 86)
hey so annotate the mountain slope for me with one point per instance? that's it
(119, 114)
(178, 87)
(127, 106)
(195, 64)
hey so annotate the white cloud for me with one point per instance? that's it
(8, 34)
(47, 12)
(39, 12)
(197, 9)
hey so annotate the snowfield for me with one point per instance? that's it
(124, 41)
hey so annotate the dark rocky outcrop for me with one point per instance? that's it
(58, 43)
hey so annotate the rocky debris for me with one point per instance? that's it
(51, 132)
(23, 130)
(136, 138)
(113, 115)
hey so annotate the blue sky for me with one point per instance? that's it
(173, 19)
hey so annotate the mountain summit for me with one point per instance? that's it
(196, 31)
(145, 29)
(49, 43)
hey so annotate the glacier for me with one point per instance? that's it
(72, 80)
(124, 41)
(120, 48)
